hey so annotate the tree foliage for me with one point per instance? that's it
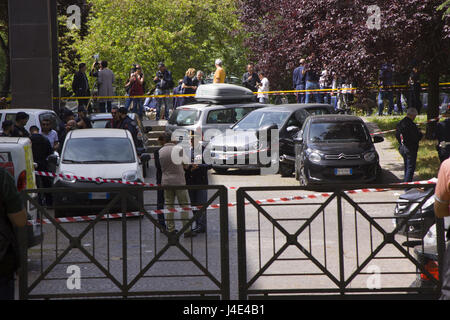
(183, 34)
(336, 34)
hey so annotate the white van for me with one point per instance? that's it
(36, 117)
(16, 156)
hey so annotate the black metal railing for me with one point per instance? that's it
(330, 245)
(116, 247)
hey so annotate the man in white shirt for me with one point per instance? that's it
(263, 86)
(50, 134)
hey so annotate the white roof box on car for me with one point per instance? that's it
(220, 92)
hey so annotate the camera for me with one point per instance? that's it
(96, 57)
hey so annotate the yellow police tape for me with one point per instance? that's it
(280, 92)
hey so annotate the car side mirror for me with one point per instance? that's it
(378, 139)
(299, 137)
(145, 157)
(292, 129)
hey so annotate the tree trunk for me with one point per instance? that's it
(433, 102)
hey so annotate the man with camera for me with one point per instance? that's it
(136, 88)
(164, 83)
(105, 80)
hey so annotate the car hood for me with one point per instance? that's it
(234, 138)
(345, 148)
(105, 171)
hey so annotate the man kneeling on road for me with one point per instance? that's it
(173, 175)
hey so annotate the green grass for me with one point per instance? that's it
(427, 158)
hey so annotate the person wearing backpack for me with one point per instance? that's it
(12, 214)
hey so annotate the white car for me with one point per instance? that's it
(36, 117)
(95, 153)
(16, 157)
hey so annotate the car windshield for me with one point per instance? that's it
(184, 117)
(257, 119)
(98, 150)
(337, 132)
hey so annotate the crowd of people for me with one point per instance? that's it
(326, 87)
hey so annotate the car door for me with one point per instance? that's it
(290, 130)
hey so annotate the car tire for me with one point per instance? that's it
(286, 171)
(220, 170)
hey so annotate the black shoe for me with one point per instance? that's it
(199, 230)
(190, 234)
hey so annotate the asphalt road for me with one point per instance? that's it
(294, 269)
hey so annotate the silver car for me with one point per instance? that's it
(218, 107)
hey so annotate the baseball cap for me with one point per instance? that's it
(161, 64)
(218, 61)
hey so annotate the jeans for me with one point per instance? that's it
(334, 101)
(383, 95)
(199, 198)
(409, 160)
(300, 95)
(324, 96)
(7, 287)
(160, 102)
(137, 105)
(310, 97)
(105, 106)
(182, 197)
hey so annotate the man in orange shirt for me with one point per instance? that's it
(442, 209)
(219, 76)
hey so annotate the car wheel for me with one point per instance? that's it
(221, 170)
(285, 171)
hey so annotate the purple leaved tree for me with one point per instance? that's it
(351, 38)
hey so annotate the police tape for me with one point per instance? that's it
(344, 90)
(217, 206)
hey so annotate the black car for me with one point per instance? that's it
(235, 149)
(336, 149)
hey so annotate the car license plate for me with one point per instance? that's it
(98, 195)
(343, 172)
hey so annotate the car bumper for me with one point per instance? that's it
(73, 202)
(240, 159)
(356, 172)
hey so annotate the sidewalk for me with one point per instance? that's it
(390, 159)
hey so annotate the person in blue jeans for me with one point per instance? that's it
(385, 81)
(408, 136)
(164, 83)
(312, 83)
(298, 80)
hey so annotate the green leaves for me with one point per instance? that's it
(183, 34)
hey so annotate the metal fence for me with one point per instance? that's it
(329, 246)
(126, 255)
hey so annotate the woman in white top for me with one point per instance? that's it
(263, 87)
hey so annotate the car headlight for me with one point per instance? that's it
(68, 177)
(129, 176)
(370, 156)
(315, 157)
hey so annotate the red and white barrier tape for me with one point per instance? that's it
(231, 204)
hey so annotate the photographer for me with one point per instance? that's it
(105, 80)
(164, 83)
(136, 88)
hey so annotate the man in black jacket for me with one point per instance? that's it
(80, 85)
(197, 174)
(408, 136)
(41, 148)
(443, 136)
(164, 83)
(250, 79)
(19, 127)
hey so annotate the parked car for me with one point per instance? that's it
(243, 141)
(16, 156)
(218, 107)
(96, 153)
(36, 117)
(336, 149)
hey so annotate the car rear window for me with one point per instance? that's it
(184, 117)
(318, 111)
(228, 116)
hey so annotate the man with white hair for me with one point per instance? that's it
(220, 75)
(408, 136)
